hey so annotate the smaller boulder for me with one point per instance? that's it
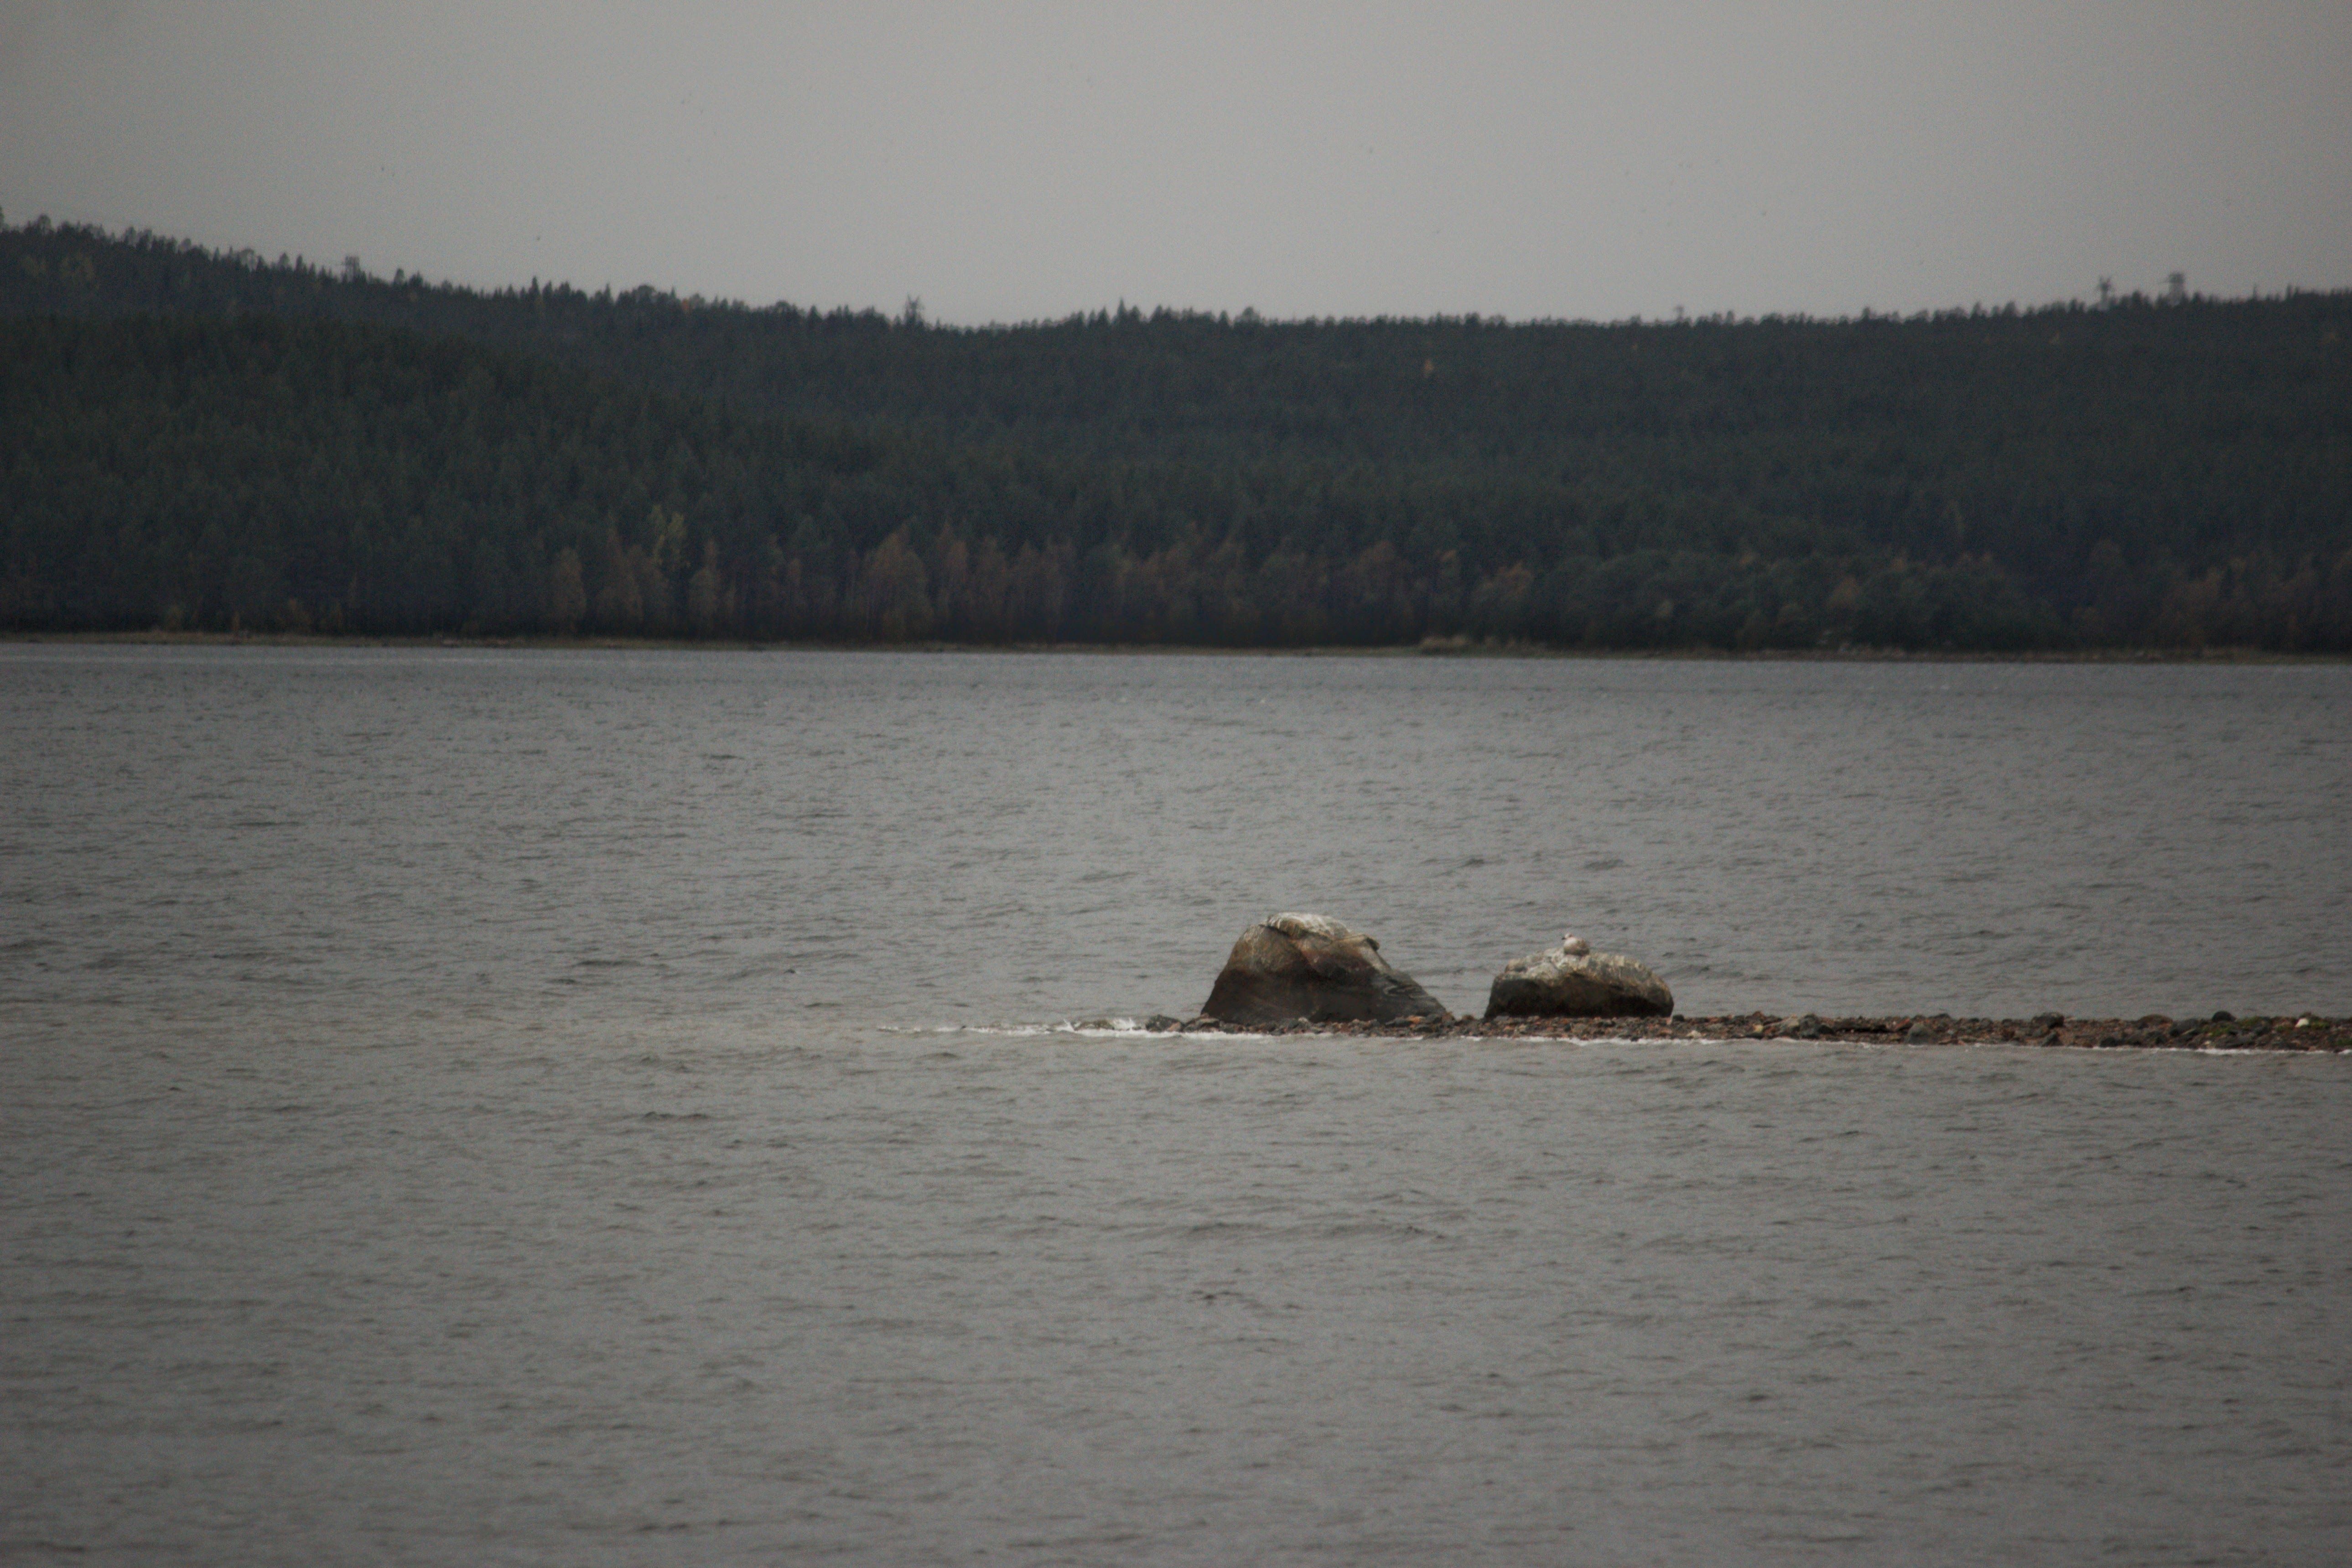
(1295, 966)
(1573, 982)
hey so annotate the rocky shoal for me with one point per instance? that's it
(2223, 1032)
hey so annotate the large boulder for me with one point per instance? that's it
(1573, 982)
(1312, 967)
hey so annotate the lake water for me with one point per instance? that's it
(608, 1107)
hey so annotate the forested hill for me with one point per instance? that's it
(207, 439)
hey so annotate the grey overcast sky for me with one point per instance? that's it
(1014, 162)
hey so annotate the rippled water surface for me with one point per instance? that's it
(604, 1108)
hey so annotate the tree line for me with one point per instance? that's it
(207, 439)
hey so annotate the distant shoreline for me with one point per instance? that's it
(1508, 650)
(212, 440)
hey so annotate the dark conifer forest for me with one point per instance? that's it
(194, 439)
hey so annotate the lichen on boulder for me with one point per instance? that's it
(1293, 966)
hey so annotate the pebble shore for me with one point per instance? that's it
(2221, 1032)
